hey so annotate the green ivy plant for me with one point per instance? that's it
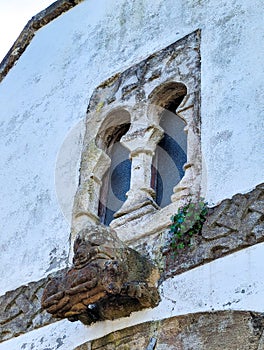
(186, 223)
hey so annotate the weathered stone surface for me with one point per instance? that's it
(227, 330)
(27, 34)
(20, 310)
(108, 280)
(234, 224)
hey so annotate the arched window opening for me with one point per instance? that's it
(116, 181)
(164, 171)
(171, 152)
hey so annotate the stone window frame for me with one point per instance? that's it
(108, 139)
(140, 93)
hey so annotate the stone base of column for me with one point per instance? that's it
(135, 216)
(136, 206)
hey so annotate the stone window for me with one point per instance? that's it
(145, 159)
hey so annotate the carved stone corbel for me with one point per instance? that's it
(108, 280)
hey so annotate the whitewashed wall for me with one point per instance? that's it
(47, 93)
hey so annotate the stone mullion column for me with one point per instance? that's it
(142, 143)
(140, 173)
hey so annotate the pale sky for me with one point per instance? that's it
(14, 15)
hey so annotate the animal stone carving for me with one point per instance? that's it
(108, 280)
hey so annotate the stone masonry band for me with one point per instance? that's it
(241, 329)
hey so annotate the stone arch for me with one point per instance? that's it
(171, 106)
(110, 123)
(95, 165)
(170, 155)
(168, 95)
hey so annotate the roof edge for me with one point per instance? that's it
(35, 23)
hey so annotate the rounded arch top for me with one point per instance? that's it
(116, 120)
(165, 94)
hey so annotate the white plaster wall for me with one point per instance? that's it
(47, 93)
(235, 282)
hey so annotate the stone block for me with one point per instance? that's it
(249, 221)
(215, 232)
(258, 206)
(226, 330)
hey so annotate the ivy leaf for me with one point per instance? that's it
(187, 222)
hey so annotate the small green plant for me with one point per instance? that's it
(187, 222)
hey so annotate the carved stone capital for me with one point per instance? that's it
(142, 139)
(108, 280)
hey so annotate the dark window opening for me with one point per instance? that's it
(171, 154)
(116, 182)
